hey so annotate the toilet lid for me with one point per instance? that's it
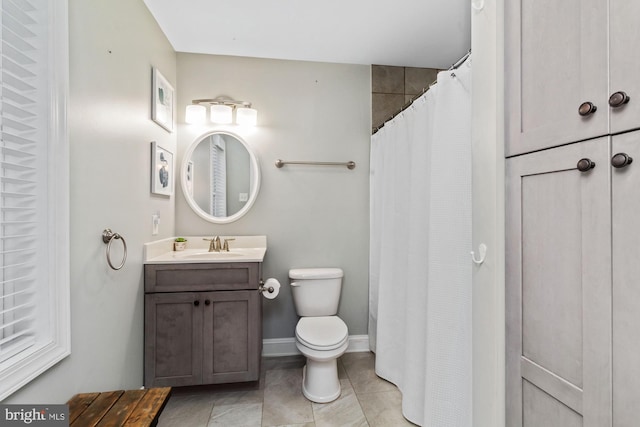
(322, 333)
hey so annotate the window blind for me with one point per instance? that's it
(24, 122)
(218, 176)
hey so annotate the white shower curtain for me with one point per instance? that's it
(420, 266)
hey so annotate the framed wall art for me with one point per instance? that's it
(162, 173)
(162, 100)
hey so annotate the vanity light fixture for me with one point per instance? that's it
(221, 112)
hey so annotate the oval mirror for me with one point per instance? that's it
(220, 177)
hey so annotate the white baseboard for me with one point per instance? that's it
(274, 347)
(358, 343)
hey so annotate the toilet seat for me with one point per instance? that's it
(322, 333)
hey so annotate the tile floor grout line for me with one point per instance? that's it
(357, 396)
(346, 372)
(263, 394)
(210, 414)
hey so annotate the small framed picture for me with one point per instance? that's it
(189, 178)
(162, 100)
(161, 170)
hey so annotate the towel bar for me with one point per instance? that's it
(349, 164)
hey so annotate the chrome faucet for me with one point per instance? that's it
(214, 244)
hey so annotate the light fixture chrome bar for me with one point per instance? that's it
(221, 111)
(221, 101)
(349, 164)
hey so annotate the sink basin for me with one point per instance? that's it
(208, 255)
(243, 249)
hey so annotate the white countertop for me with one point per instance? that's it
(242, 249)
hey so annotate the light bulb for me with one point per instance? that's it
(221, 114)
(195, 114)
(246, 116)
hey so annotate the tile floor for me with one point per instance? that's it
(277, 400)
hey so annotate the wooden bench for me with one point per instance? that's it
(131, 408)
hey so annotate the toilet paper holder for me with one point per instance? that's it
(262, 288)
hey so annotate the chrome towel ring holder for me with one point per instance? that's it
(108, 237)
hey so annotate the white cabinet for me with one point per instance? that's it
(562, 55)
(624, 69)
(558, 291)
(573, 287)
(625, 183)
(573, 238)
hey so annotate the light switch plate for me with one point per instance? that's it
(155, 224)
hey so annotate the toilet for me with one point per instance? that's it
(321, 336)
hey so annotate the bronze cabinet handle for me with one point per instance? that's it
(585, 165)
(621, 160)
(587, 108)
(618, 99)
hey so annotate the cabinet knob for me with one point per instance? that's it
(196, 303)
(587, 108)
(618, 99)
(207, 302)
(585, 165)
(621, 160)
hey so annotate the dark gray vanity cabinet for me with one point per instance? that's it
(203, 323)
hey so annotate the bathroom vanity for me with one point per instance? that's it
(203, 317)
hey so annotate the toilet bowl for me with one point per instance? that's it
(321, 336)
(321, 340)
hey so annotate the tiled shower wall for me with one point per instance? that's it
(393, 87)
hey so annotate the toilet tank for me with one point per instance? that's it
(316, 291)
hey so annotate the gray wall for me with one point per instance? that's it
(113, 45)
(312, 216)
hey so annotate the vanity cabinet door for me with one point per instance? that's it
(173, 339)
(232, 336)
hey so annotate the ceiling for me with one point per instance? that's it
(415, 33)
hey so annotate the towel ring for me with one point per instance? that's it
(108, 237)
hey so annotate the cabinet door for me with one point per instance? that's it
(558, 295)
(625, 62)
(626, 283)
(556, 59)
(232, 337)
(173, 339)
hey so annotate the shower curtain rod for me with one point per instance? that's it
(455, 66)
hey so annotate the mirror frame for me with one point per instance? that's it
(254, 185)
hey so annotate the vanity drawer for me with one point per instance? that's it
(201, 277)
